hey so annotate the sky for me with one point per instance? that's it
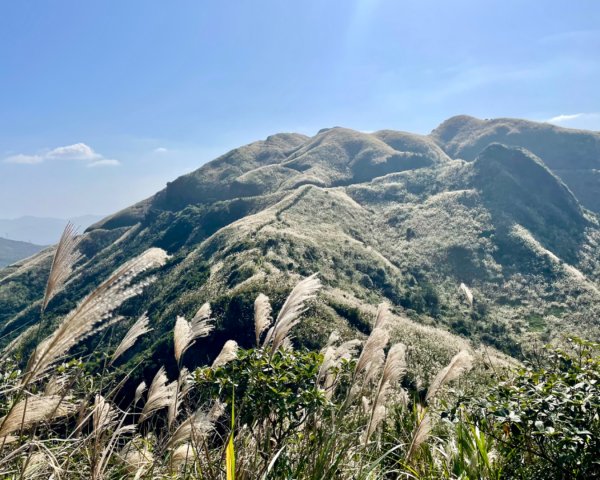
(103, 102)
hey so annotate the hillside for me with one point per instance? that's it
(574, 155)
(11, 251)
(500, 206)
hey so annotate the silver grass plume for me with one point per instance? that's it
(395, 366)
(374, 367)
(393, 370)
(181, 388)
(195, 427)
(334, 355)
(103, 416)
(287, 344)
(56, 385)
(369, 362)
(262, 316)
(103, 462)
(420, 433)
(216, 411)
(137, 457)
(202, 324)
(460, 363)
(373, 346)
(160, 394)
(185, 333)
(332, 360)
(182, 337)
(139, 328)
(334, 337)
(32, 410)
(93, 310)
(294, 306)
(228, 353)
(383, 315)
(39, 464)
(366, 405)
(182, 455)
(328, 362)
(36, 465)
(466, 291)
(139, 391)
(65, 257)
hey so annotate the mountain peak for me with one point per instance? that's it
(573, 154)
(517, 186)
(383, 216)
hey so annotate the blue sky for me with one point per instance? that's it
(103, 102)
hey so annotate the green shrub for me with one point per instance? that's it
(546, 419)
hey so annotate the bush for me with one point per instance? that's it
(546, 419)
(280, 387)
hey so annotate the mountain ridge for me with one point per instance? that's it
(385, 216)
(15, 250)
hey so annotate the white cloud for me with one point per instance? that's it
(77, 152)
(564, 118)
(587, 121)
(105, 162)
(24, 159)
(160, 150)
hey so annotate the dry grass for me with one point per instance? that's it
(65, 257)
(262, 316)
(186, 333)
(290, 312)
(160, 394)
(228, 353)
(462, 362)
(35, 409)
(109, 442)
(92, 311)
(139, 328)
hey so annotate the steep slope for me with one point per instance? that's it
(384, 216)
(12, 250)
(517, 185)
(574, 155)
(215, 181)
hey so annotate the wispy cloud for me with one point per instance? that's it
(24, 159)
(160, 150)
(588, 121)
(76, 152)
(105, 162)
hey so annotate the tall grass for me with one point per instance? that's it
(342, 413)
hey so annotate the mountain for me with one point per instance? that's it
(11, 251)
(574, 155)
(490, 207)
(42, 230)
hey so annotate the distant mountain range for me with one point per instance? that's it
(11, 251)
(506, 210)
(41, 230)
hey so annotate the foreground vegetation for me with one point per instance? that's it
(350, 411)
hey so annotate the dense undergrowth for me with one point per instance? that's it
(349, 411)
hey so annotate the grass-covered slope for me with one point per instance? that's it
(12, 250)
(574, 155)
(384, 216)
